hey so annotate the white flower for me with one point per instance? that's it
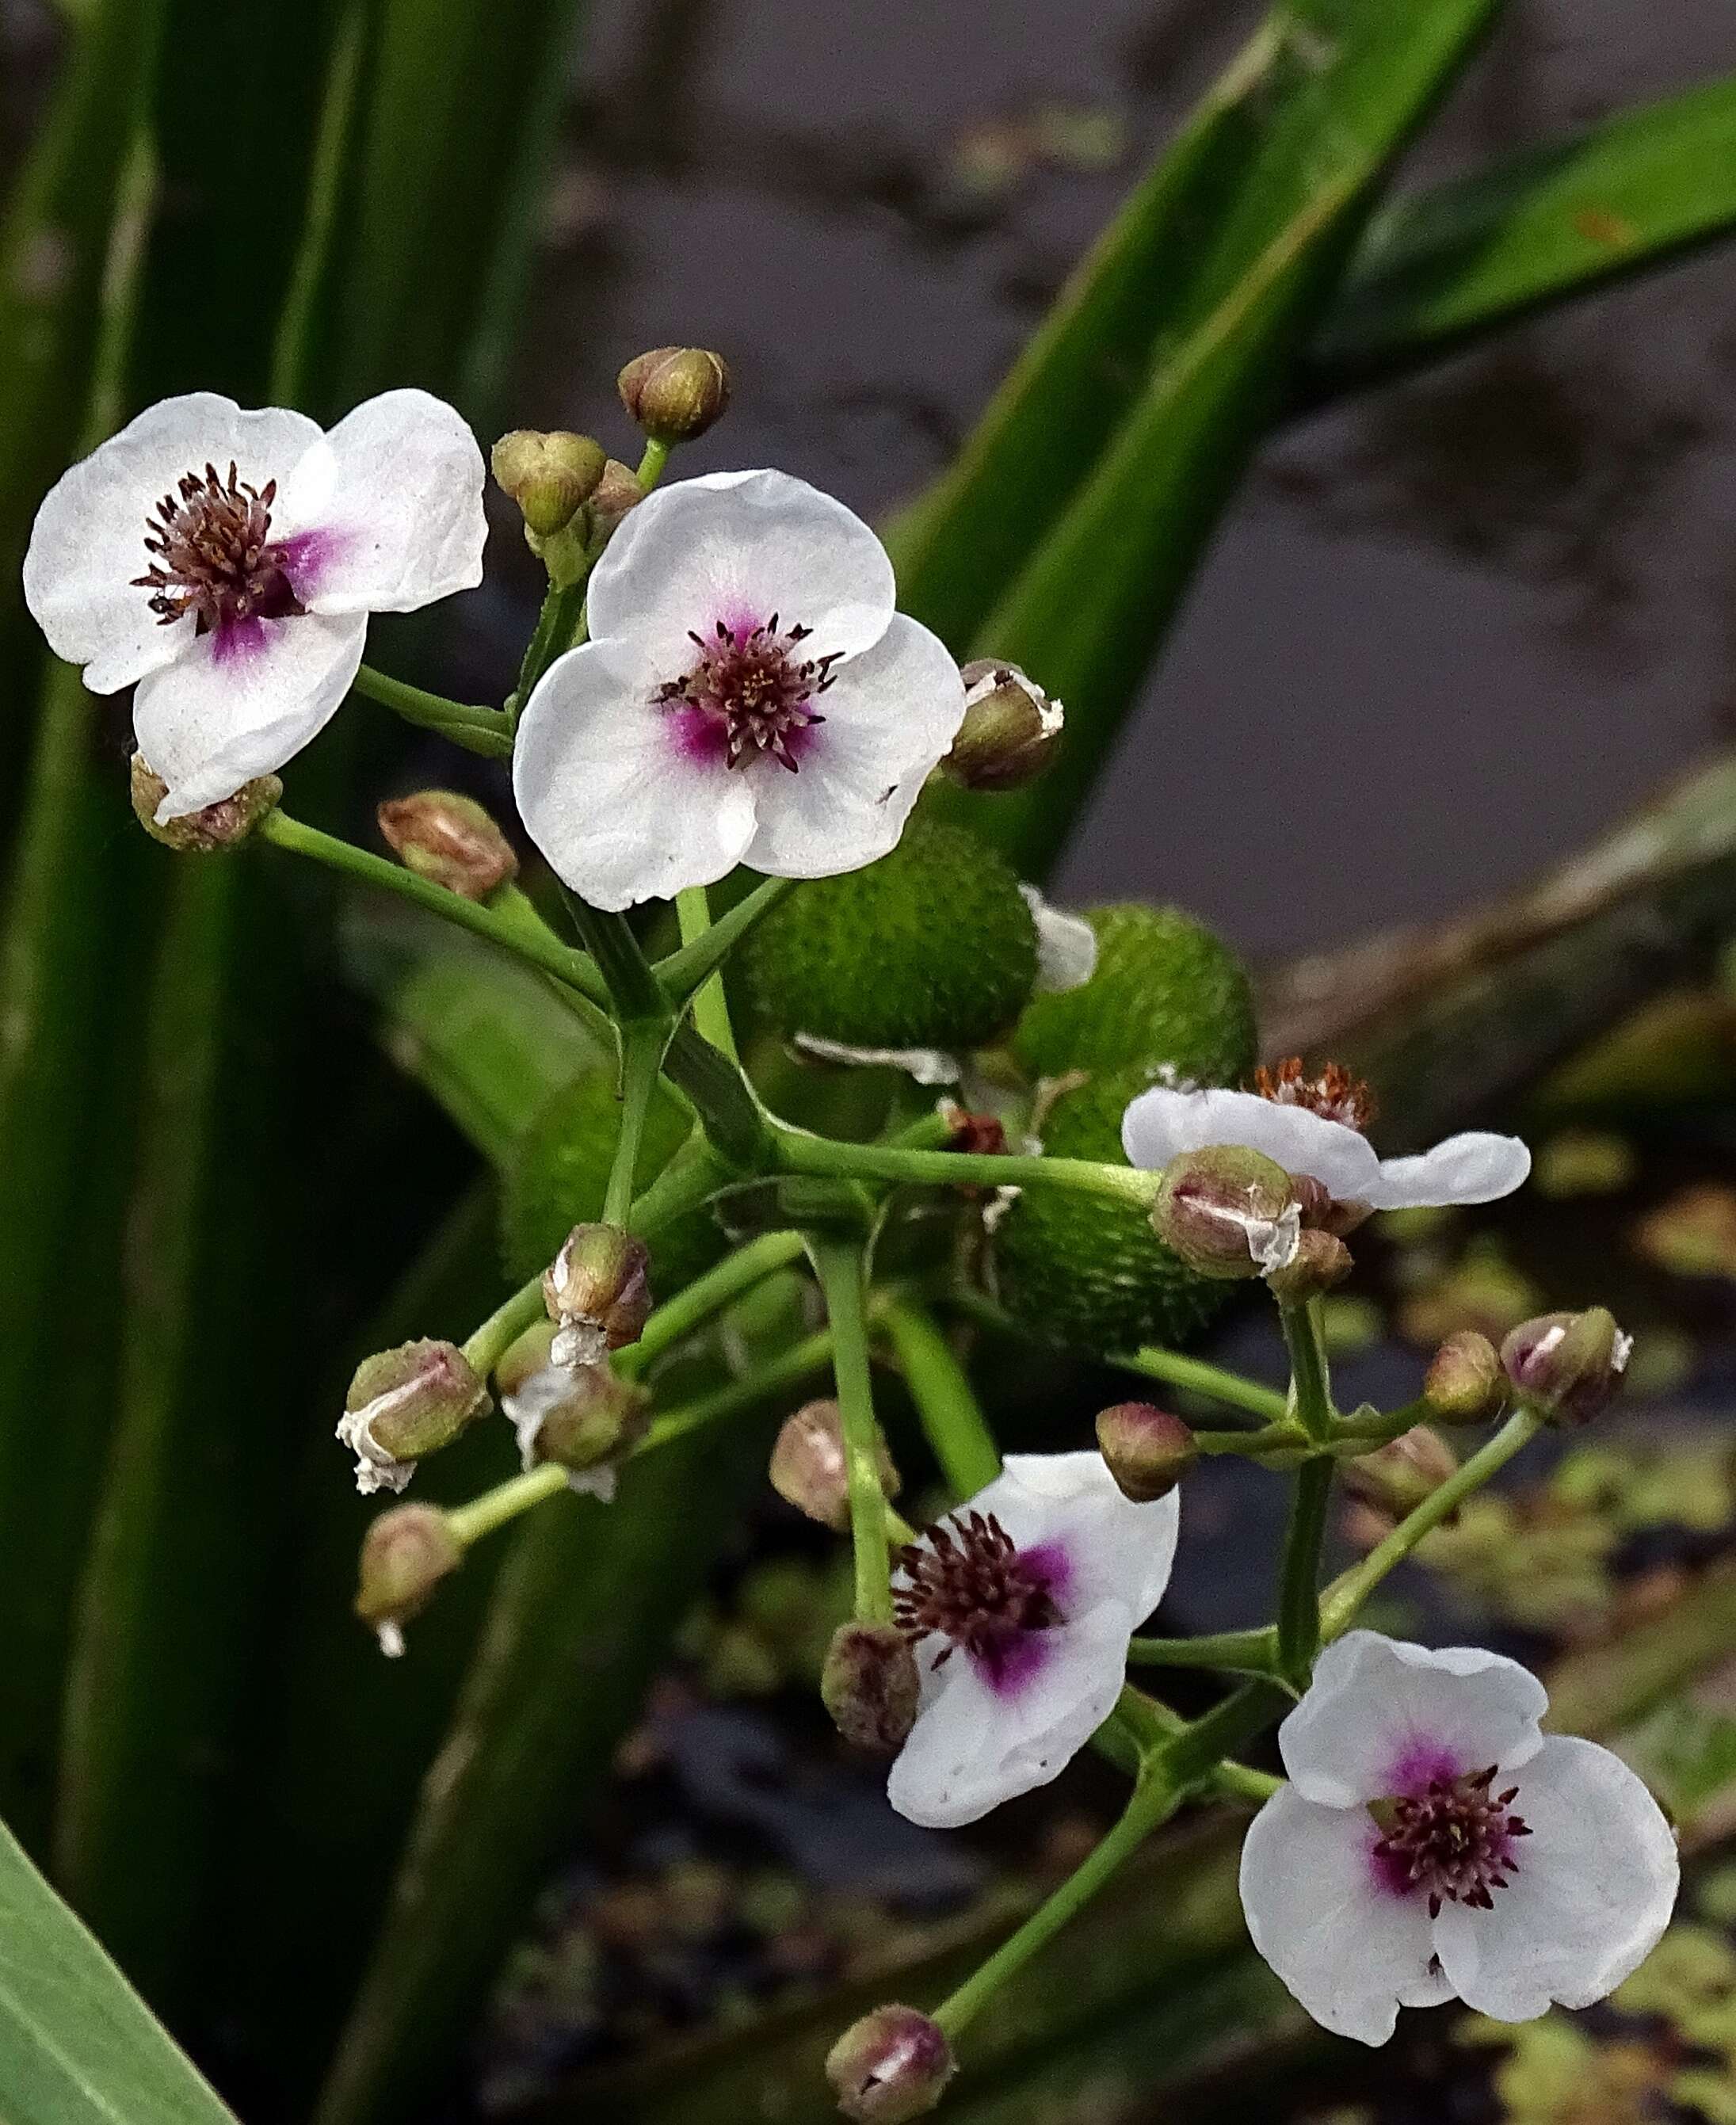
(1067, 945)
(1312, 1126)
(1434, 1844)
(1021, 1605)
(226, 563)
(747, 695)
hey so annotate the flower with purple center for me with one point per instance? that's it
(1434, 1844)
(747, 695)
(1019, 1606)
(226, 563)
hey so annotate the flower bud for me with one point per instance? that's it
(582, 1418)
(450, 840)
(1320, 1261)
(892, 2065)
(675, 392)
(1566, 1366)
(1400, 1474)
(870, 1684)
(809, 1469)
(219, 825)
(550, 476)
(403, 1404)
(597, 1294)
(1464, 1381)
(1011, 730)
(1228, 1212)
(1146, 1449)
(618, 491)
(405, 1553)
(975, 1135)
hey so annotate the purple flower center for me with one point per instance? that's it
(1452, 1840)
(752, 691)
(967, 1582)
(211, 555)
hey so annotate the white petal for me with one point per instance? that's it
(1594, 1889)
(975, 1745)
(736, 547)
(243, 703)
(1473, 1168)
(1162, 1124)
(1381, 1717)
(1351, 1951)
(890, 714)
(88, 543)
(1114, 1550)
(923, 1066)
(607, 794)
(1067, 945)
(385, 514)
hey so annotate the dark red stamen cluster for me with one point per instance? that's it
(1331, 1090)
(212, 555)
(1454, 1839)
(967, 1581)
(756, 686)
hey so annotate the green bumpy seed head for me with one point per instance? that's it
(560, 1169)
(933, 946)
(1165, 989)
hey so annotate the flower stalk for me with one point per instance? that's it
(838, 1264)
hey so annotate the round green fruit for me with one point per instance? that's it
(933, 946)
(1165, 988)
(1089, 1272)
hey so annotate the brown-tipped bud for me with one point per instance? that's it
(405, 1404)
(597, 1294)
(219, 825)
(580, 1418)
(809, 1469)
(550, 476)
(1399, 1474)
(1464, 1382)
(976, 1135)
(450, 840)
(870, 1684)
(1320, 1261)
(1010, 731)
(1146, 1449)
(619, 492)
(892, 2065)
(405, 1554)
(1566, 1366)
(1228, 1212)
(675, 392)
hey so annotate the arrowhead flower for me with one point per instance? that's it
(1019, 1607)
(748, 694)
(1313, 1127)
(226, 563)
(1434, 1844)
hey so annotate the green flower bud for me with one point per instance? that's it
(597, 1291)
(1228, 1212)
(1011, 731)
(1146, 1449)
(618, 491)
(1464, 1381)
(405, 1554)
(809, 1469)
(449, 839)
(1566, 1366)
(220, 825)
(675, 392)
(932, 947)
(404, 1404)
(892, 2065)
(869, 1685)
(550, 476)
(1320, 1261)
(1401, 1473)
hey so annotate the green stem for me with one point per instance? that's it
(1299, 1582)
(651, 464)
(1347, 1593)
(506, 1502)
(838, 1262)
(520, 914)
(1310, 1390)
(1206, 1379)
(1232, 1652)
(549, 956)
(641, 1061)
(479, 730)
(486, 1345)
(678, 1317)
(790, 1369)
(946, 1406)
(1268, 1439)
(563, 609)
(620, 960)
(692, 971)
(800, 1152)
(721, 1096)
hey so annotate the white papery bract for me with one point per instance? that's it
(748, 694)
(1434, 1844)
(1021, 1605)
(270, 543)
(1476, 1167)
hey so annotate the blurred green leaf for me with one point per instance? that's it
(77, 2046)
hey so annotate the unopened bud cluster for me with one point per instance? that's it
(810, 1469)
(675, 392)
(450, 840)
(892, 2065)
(551, 476)
(1228, 1212)
(404, 1404)
(1145, 1448)
(1566, 1366)
(597, 1294)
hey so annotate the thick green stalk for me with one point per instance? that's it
(478, 730)
(690, 1309)
(838, 1262)
(946, 1406)
(1299, 1581)
(486, 1344)
(707, 942)
(800, 1152)
(1180, 1371)
(1234, 1652)
(641, 1059)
